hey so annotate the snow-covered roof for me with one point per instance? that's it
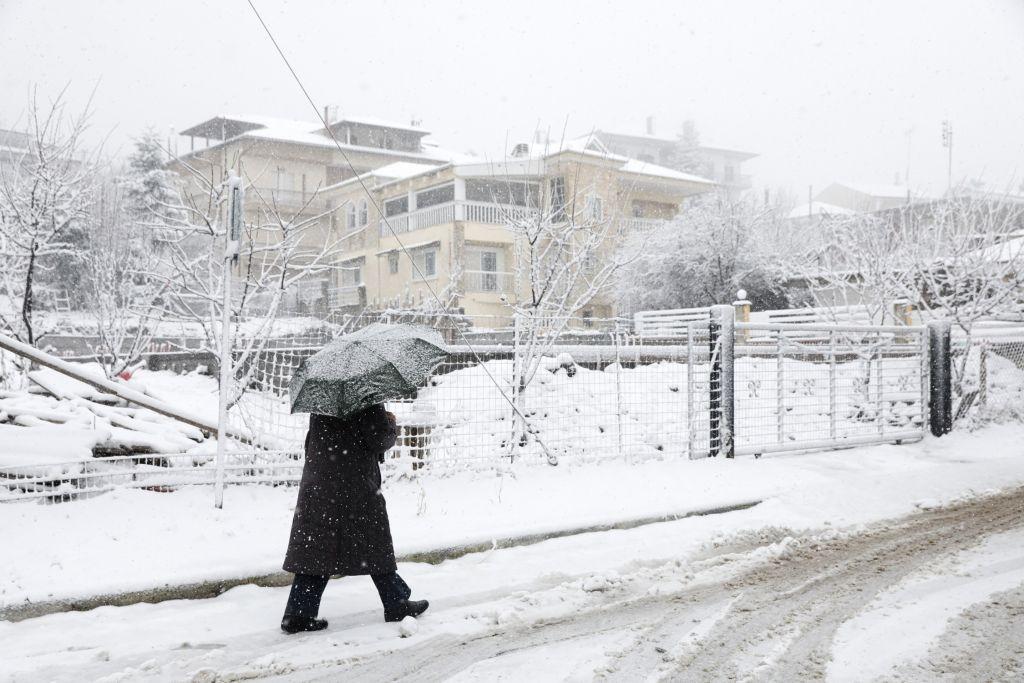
(311, 133)
(880, 191)
(398, 170)
(380, 123)
(646, 168)
(727, 151)
(1004, 252)
(819, 209)
(591, 145)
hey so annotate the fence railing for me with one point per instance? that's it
(487, 281)
(669, 322)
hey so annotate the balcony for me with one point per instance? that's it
(643, 224)
(487, 281)
(292, 199)
(472, 212)
(482, 212)
(739, 182)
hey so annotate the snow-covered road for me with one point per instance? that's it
(852, 604)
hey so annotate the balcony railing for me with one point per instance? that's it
(346, 295)
(479, 212)
(487, 281)
(421, 218)
(642, 224)
(473, 212)
(289, 198)
(495, 214)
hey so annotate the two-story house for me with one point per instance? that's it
(286, 165)
(453, 222)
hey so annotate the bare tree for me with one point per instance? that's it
(46, 191)
(122, 295)
(960, 258)
(565, 260)
(278, 250)
(862, 261)
(957, 258)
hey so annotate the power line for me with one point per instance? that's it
(384, 219)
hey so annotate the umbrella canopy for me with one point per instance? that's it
(375, 364)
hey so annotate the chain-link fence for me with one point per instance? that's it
(988, 375)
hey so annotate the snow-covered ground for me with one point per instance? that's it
(134, 539)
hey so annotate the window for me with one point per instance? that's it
(364, 214)
(489, 270)
(594, 208)
(393, 262)
(502, 192)
(285, 180)
(557, 186)
(588, 318)
(351, 273)
(483, 265)
(350, 217)
(435, 196)
(638, 210)
(397, 206)
(426, 264)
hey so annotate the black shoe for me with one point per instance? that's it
(298, 624)
(406, 608)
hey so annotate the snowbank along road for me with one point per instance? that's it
(761, 608)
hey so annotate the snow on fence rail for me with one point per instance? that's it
(717, 388)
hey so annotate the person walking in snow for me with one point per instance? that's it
(341, 521)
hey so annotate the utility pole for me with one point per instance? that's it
(232, 238)
(947, 142)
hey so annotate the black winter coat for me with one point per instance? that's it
(341, 521)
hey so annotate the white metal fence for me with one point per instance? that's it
(826, 386)
(588, 394)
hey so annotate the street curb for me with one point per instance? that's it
(213, 588)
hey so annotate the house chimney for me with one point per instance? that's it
(327, 115)
(650, 125)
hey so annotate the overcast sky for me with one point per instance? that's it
(821, 90)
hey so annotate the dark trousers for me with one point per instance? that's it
(307, 589)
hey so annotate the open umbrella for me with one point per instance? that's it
(375, 364)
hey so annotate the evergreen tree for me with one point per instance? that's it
(149, 187)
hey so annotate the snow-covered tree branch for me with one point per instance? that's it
(46, 193)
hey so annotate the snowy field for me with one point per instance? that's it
(97, 546)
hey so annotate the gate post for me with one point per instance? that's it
(940, 394)
(721, 341)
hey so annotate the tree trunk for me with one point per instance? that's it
(26, 300)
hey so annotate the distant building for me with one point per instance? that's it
(860, 198)
(720, 164)
(13, 145)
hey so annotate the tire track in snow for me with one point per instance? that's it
(783, 605)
